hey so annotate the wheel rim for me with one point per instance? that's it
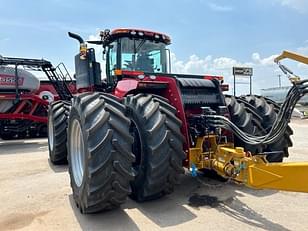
(50, 134)
(77, 152)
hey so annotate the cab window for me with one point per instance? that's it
(143, 55)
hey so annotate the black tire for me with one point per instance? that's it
(57, 131)
(247, 120)
(268, 111)
(13, 135)
(106, 154)
(158, 146)
(256, 115)
(40, 131)
(8, 136)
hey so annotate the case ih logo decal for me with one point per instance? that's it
(9, 80)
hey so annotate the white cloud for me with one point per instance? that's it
(299, 5)
(223, 63)
(193, 65)
(219, 8)
(197, 65)
(268, 61)
(221, 66)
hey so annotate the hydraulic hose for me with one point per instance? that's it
(298, 90)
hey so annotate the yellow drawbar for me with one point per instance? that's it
(242, 167)
(280, 176)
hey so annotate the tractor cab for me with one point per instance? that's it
(127, 52)
(137, 50)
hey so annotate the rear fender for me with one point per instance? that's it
(125, 86)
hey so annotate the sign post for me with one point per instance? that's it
(242, 71)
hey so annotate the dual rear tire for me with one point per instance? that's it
(116, 149)
(256, 115)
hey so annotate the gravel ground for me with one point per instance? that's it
(35, 195)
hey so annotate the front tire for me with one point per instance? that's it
(99, 152)
(57, 131)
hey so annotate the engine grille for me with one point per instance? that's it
(199, 92)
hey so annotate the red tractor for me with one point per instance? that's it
(134, 131)
(24, 99)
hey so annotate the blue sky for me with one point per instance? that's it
(207, 36)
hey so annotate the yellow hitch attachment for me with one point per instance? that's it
(280, 176)
(242, 167)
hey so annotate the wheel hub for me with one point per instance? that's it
(77, 154)
(50, 135)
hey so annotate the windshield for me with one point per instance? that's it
(143, 55)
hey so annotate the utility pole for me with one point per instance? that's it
(250, 85)
(279, 80)
(234, 85)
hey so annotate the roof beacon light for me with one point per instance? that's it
(152, 77)
(140, 76)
